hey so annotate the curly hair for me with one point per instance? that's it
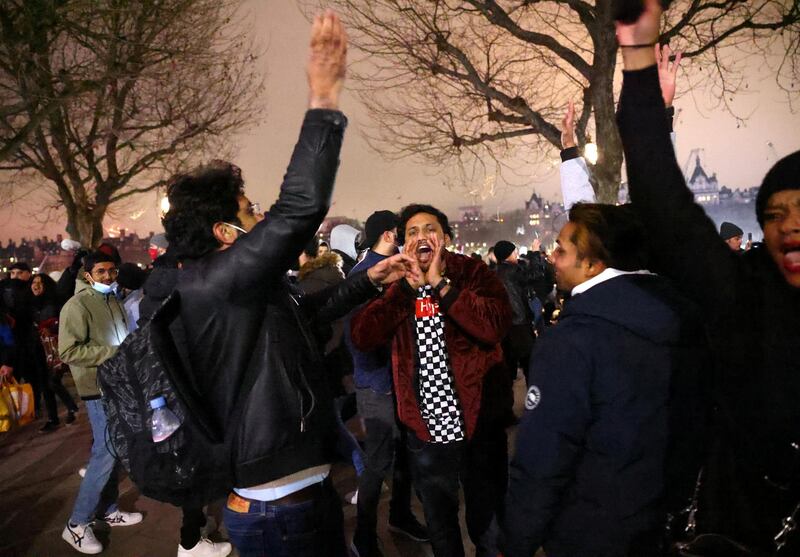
(407, 212)
(197, 201)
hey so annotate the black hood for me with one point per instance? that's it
(645, 305)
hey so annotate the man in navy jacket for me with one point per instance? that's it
(588, 476)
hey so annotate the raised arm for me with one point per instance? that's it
(270, 247)
(480, 306)
(678, 229)
(575, 183)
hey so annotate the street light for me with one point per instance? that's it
(590, 152)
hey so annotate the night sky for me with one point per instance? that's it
(739, 155)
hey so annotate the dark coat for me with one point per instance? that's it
(237, 311)
(477, 316)
(514, 280)
(588, 476)
(753, 325)
(320, 273)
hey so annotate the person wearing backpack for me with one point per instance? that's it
(92, 326)
(239, 315)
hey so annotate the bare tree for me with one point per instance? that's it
(478, 81)
(102, 100)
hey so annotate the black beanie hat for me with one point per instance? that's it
(503, 249)
(785, 175)
(729, 230)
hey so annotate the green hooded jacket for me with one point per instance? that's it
(91, 327)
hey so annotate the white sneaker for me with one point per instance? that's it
(81, 538)
(82, 471)
(206, 548)
(122, 518)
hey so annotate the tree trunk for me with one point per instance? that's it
(607, 172)
(86, 226)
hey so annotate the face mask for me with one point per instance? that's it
(239, 229)
(102, 288)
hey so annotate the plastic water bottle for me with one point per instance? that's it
(165, 422)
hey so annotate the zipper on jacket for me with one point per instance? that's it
(315, 355)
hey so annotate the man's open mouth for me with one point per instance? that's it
(791, 256)
(424, 252)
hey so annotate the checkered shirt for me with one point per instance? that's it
(439, 402)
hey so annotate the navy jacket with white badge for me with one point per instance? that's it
(589, 471)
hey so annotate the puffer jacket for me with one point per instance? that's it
(237, 310)
(590, 470)
(91, 327)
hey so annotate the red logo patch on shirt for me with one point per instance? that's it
(426, 307)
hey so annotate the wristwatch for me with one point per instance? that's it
(439, 287)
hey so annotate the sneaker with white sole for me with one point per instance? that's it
(81, 538)
(122, 518)
(206, 548)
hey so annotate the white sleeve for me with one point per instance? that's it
(575, 184)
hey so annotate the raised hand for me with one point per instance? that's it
(5, 371)
(637, 39)
(327, 62)
(392, 268)
(568, 127)
(667, 72)
(415, 277)
(436, 268)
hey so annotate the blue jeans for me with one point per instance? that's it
(98, 493)
(313, 528)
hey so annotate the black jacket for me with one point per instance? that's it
(514, 280)
(229, 297)
(589, 474)
(753, 325)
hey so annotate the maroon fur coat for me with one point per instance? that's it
(477, 315)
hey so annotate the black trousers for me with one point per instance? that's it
(193, 521)
(480, 466)
(517, 348)
(385, 451)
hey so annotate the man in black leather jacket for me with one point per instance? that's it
(239, 312)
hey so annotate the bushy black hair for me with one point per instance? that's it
(95, 257)
(407, 212)
(197, 201)
(611, 234)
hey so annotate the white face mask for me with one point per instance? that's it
(239, 229)
(102, 288)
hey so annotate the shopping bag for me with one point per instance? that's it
(8, 410)
(22, 395)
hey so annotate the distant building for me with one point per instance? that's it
(705, 188)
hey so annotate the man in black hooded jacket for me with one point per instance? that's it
(751, 301)
(593, 465)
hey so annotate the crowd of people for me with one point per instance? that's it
(660, 413)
